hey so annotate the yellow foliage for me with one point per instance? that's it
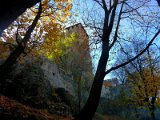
(48, 33)
(144, 84)
(54, 47)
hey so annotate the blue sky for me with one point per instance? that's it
(84, 8)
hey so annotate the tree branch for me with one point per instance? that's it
(127, 62)
(112, 17)
(31, 28)
(98, 3)
(158, 1)
(104, 6)
(117, 27)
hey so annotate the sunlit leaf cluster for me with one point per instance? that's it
(54, 47)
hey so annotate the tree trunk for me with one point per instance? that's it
(6, 67)
(12, 58)
(152, 112)
(91, 105)
(153, 115)
(152, 107)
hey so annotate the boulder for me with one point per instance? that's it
(30, 87)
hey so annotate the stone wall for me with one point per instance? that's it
(57, 77)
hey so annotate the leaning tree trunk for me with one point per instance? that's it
(6, 67)
(91, 105)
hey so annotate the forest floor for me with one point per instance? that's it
(108, 117)
(12, 110)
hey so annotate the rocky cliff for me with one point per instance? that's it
(57, 77)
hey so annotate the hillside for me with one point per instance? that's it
(13, 110)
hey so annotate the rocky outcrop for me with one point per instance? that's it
(30, 86)
(43, 85)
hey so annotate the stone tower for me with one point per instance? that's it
(81, 48)
(79, 61)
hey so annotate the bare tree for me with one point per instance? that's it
(108, 36)
(141, 76)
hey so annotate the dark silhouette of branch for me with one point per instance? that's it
(6, 67)
(125, 63)
(104, 6)
(158, 1)
(117, 27)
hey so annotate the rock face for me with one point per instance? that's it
(39, 88)
(57, 77)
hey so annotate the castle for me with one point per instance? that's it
(78, 63)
